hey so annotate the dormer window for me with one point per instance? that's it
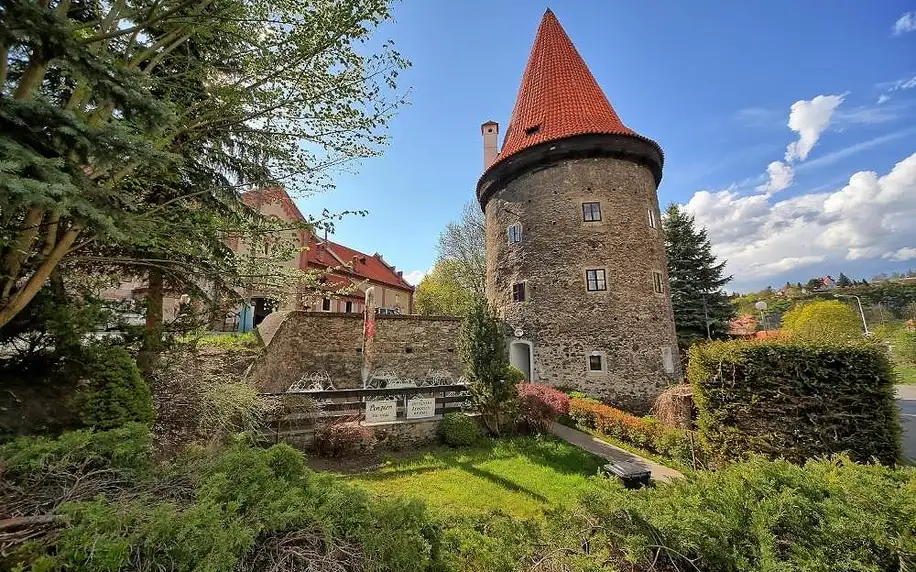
(532, 130)
(515, 233)
(591, 212)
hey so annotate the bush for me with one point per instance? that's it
(245, 509)
(342, 437)
(540, 406)
(126, 449)
(114, 393)
(904, 347)
(513, 375)
(643, 432)
(827, 515)
(458, 430)
(792, 400)
(823, 321)
(494, 542)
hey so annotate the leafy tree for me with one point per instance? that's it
(119, 120)
(823, 320)
(463, 242)
(482, 346)
(441, 292)
(701, 307)
(843, 281)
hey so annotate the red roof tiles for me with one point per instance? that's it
(558, 96)
(327, 254)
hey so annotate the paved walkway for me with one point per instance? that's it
(906, 400)
(607, 451)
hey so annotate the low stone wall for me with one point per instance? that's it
(410, 347)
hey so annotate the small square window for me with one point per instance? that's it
(652, 222)
(657, 283)
(595, 363)
(591, 212)
(518, 292)
(595, 280)
(326, 305)
(515, 233)
(348, 307)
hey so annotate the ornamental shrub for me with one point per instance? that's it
(823, 321)
(540, 406)
(643, 432)
(342, 437)
(795, 400)
(113, 392)
(458, 430)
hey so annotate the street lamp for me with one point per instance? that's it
(762, 306)
(861, 311)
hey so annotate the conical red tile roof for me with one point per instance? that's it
(558, 97)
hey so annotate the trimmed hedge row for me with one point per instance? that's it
(794, 400)
(643, 432)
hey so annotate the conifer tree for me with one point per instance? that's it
(701, 307)
(843, 281)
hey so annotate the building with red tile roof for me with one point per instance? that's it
(575, 255)
(345, 273)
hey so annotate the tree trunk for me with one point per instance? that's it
(152, 332)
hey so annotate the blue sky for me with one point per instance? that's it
(714, 84)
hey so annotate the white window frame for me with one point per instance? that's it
(653, 222)
(348, 306)
(588, 362)
(514, 231)
(658, 282)
(323, 301)
(599, 281)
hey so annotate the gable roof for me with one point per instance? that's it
(373, 267)
(325, 253)
(558, 96)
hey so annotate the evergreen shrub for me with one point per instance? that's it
(458, 430)
(795, 400)
(115, 392)
(830, 514)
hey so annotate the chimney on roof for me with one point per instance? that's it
(490, 132)
(400, 273)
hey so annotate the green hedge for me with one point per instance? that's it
(795, 401)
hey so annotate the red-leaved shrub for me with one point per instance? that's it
(342, 437)
(540, 405)
(644, 432)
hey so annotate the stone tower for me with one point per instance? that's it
(575, 254)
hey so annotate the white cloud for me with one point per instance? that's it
(780, 176)
(906, 23)
(902, 254)
(809, 119)
(836, 156)
(870, 217)
(415, 276)
(883, 98)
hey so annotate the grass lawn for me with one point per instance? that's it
(906, 374)
(521, 476)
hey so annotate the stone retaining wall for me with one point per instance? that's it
(410, 347)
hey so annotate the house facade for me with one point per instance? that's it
(342, 274)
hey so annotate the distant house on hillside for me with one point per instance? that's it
(744, 326)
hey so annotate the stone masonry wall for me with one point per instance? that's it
(629, 325)
(411, 347)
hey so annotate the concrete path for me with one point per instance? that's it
(906, 400)
(607, 451)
